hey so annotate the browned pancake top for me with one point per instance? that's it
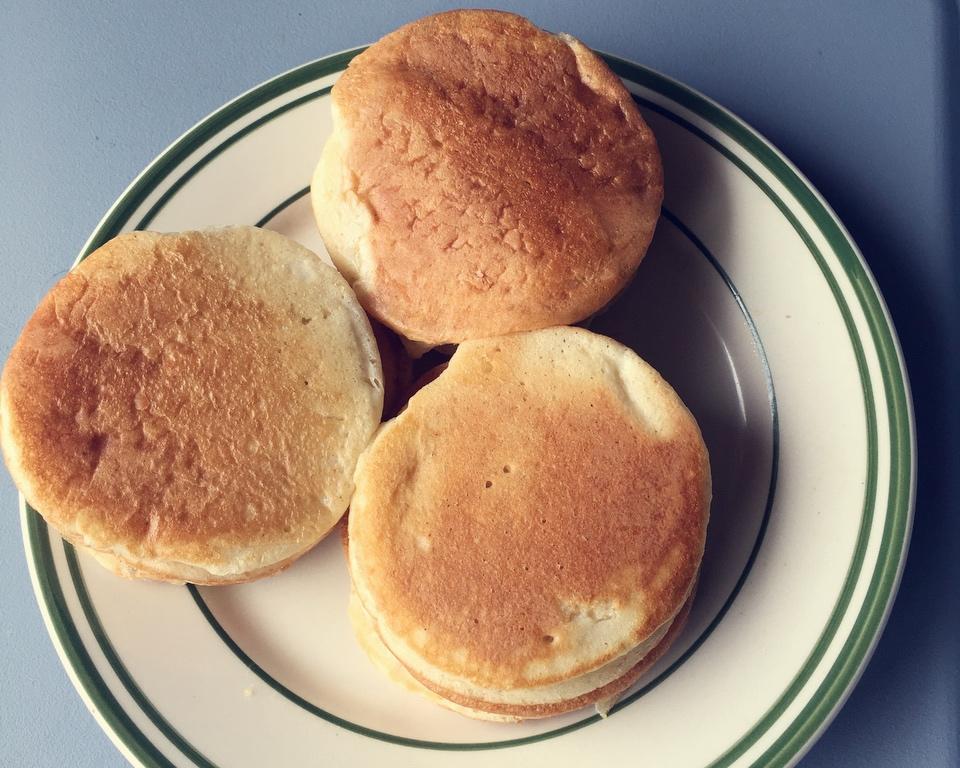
(504, 167)
(161, 400)
(519, 495)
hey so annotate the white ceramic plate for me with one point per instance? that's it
(753, 302)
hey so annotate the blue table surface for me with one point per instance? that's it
(863, 96)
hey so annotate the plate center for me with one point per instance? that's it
(682, 315)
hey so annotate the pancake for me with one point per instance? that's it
(126, 570)
(479, 159)
(191, 406)
(604, 699)
(367, 638)
(528, 530)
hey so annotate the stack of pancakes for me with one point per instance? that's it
(484, 177)
(190, 407)
(525, 536)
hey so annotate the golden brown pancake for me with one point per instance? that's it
(527, 531)
(484, 177)
(192, 406)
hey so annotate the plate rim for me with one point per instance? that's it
(803, 730)
(805, 735)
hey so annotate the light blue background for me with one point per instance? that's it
(863, 96)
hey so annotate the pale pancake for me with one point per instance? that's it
(483, 177)
(525, 532)
(143, 570)
(193, 405)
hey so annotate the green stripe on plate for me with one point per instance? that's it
(774, 713)
(133, 197)
(855, 652)
(120, 670)
(222, 147)
(86, 676)
(281, 207)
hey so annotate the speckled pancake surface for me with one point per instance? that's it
(533, 520)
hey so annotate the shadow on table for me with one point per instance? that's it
(924, 627)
